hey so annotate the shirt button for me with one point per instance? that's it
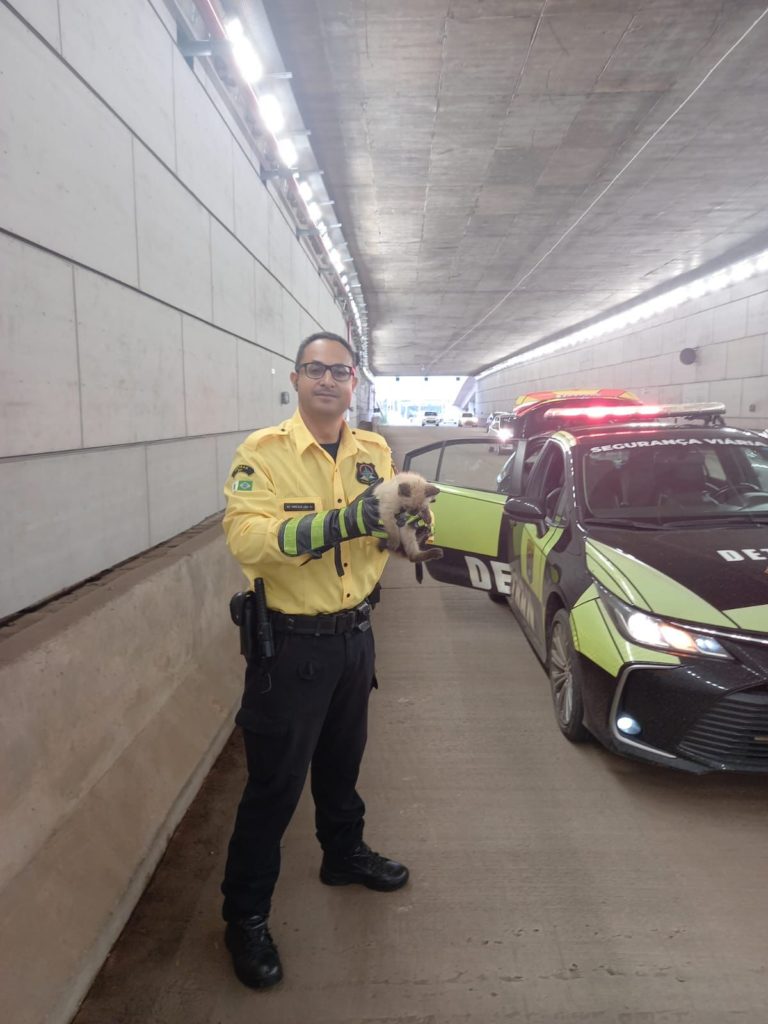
(349, 595)
(339, 500)
(346, 566)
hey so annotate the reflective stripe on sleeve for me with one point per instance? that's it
(318, 538)
(286, 536)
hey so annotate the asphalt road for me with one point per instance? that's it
(551, 883)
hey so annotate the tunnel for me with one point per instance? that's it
(522, 197)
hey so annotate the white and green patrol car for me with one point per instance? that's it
(631, 543)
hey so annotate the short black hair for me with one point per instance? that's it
(325, 336)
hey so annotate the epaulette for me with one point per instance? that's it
(258, 437)
(370, 437)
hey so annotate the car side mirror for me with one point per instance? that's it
(523, 510)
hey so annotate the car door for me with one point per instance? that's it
(547, 484)
(469, 523)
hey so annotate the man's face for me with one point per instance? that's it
(326, 396)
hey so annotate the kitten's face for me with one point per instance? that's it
(419, 493)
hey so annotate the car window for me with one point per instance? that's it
(684, 478)
(532, 452)
(504, 480)
(425, 463)
(469, 466)
(459, 464)
(757, 467)
(547, 479)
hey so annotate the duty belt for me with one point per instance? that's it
(324, 625)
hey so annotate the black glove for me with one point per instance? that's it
(318, 532)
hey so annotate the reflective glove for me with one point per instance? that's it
(422, 525)
(318, 532)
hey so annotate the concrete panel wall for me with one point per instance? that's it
(728, 329)
(152, 295)
(106, 734)
(152, 289)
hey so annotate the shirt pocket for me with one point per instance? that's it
(301, 505)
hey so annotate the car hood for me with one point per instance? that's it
(717, 576)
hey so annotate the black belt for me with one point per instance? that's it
(323, 625)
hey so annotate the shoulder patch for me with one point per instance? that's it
(242, 468)
(366, 473)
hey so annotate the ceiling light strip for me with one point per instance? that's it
(600, 195)
(702, 286)
(248, 63)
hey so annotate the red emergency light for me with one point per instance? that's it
(710, 412)
(599, 412)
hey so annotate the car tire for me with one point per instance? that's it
(498, 598)
(565, 679)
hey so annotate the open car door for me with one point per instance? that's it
(469, 522)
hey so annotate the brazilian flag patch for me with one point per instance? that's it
(242, 485)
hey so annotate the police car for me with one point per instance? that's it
(631, 542)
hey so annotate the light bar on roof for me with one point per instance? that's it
(689, 410)
(599, 412)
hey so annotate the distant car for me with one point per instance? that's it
(451, 420)
(502, 431)
(468, 419)
(492, 416)
(430, 419)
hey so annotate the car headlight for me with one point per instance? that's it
(653, 631)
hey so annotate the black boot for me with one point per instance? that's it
(254, 954)
(365, 867)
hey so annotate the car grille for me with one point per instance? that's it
(732, 734)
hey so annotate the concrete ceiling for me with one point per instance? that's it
(461, 139)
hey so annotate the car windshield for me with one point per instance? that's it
(676, 479)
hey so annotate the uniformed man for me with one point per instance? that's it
(300, 515)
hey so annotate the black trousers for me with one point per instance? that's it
(309, 706)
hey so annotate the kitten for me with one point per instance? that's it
(407, 494)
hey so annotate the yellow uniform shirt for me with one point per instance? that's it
(282, 471)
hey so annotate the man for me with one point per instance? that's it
(300, 515)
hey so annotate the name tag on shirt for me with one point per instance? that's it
(299, 506)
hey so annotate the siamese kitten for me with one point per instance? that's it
(407, 494)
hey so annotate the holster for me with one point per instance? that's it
(249, 612)
(242, 610)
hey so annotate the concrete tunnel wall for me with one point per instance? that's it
(152, 291)
(152, 295)
(728, 329)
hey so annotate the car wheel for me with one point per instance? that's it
(565, 679)
(498, 598)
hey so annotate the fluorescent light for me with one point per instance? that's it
(305, 191)
(234, 30)
(287, 152)
(713, 282)
(246, 58)
(315, 213)
(271, 113)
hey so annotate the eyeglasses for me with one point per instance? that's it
(316, 371)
